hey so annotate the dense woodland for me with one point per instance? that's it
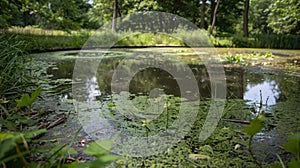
(232, 16)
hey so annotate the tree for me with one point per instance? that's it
(212, 8)
(202, 23)
(13, 12)
(229, 12)
(214, 18)
(245, 25)
(284, 16)
(258, 15)
(115, 13)
(6, 13)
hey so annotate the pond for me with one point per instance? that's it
(102, 96)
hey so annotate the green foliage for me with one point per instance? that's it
(228, 16)
(276, 41)
(63, 15)
(102, 154)
(256, 125)
(14, 75)
(16, 149)
(274, 16)
(14, 146)
(14, 120)
(294, 163)
(234, 59)
(293, 145)
(39, 40)
(19, 148)
(244, 59)
(148, 39)
(284, 16)
(96, 148)
(10, 13)
(36, 42)
(224, 43)
(27, 100)
(266, 17)
(258, 15)
(285, 41)
(240, 41)
(193, 37)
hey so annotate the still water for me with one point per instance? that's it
(243, 83)
(279, 92)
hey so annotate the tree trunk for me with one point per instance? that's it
(212, 8)
(214, 18)
(114, 22)
(202, 23)
(245, 25)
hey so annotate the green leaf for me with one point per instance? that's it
(256, 125)
(24, 101)
(98, 148)
(35, 94)
(276, 165)
(71, 165)
(92, 164)
(7, 146)
(63, 151)
(109, 158)
(293, 144)
(98, 163)
(294, 163)
(34, 133)
(4, 136)
(68, 151)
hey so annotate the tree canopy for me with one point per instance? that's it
(265, 17)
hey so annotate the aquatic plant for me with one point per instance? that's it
(244, 58)
(256, 125)
(234, 59)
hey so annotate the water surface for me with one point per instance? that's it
(278, 88)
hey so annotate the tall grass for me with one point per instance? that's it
(197, 38)
(284, 41)
(277, 41)
(14, 76)
(47, 40)
(149, 39)
(38, 40)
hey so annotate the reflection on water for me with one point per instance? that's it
(92, 89)
(241, 84)
(269, 91)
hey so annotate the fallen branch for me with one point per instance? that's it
(57, 122)
(237, 121)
